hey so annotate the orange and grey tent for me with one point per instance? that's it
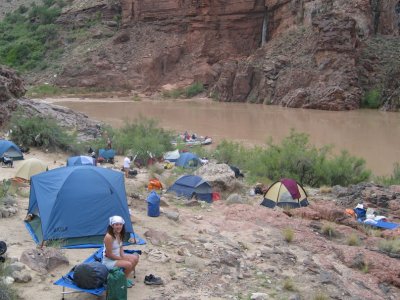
(285, 193)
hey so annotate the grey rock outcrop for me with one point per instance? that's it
(43, 260)
(11, 88)
(86, 128)
(220, 176)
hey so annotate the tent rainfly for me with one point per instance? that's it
(72, 206)
(30, 167)
(191, 186)
(9, 149)
(285, 193)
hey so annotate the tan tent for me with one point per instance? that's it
(30, 167)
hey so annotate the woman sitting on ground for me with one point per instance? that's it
(113, 254)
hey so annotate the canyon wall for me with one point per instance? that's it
(295, 53)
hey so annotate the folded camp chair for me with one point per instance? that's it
(67, 281)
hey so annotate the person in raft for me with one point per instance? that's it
(113, 254)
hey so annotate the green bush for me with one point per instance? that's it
(194, 89)
(142, 137)
(40, 132)
(28, 35)
(294, 158)
(4, 188)
(393, 179)
(371, 99)
(188, 92)
(43, 91)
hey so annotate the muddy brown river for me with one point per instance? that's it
(370, 134)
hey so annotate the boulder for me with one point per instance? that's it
(235, 198)
(156, 237)
(43, 260)
(220, 176)
(21, 276)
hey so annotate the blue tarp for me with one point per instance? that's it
(192, 186)
(107, 154)
(380, 224)
(10, 149)
(77, 202)
(188, 160)
(81, 160)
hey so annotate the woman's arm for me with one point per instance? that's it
(108, 241)
(121, 251)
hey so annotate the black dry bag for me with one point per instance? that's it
(90, 275)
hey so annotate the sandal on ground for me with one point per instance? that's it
(129, 283)
(153, 280)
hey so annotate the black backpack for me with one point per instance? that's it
(90, 275)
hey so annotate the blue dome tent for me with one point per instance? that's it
(73, 205)
(9, 149)
(191, 186)
(188, 160)
(81, 161)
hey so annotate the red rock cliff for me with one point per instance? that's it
(296, 53)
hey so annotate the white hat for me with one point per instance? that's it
(116, 219)
(359, 205)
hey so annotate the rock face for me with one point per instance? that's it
(11, 88)
(296, 53)
(86, 128)
(12, 91)
(311, 57)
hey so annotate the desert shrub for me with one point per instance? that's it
(288, 234)
(393, 179)
(142, 137)
(174, 94)
(294, 158)
(345, 169)
(43, 90)
(6, 291)
(289, 285)
(390, 246)
(4, 188)
(188, 92)
(40, 132)
(371, 99)
(22, 9)
(200, 151)
(329, 230)
(370, 231)
(365, 267)
(194, 89)
(325, 189)
(320, 296)
(353, 240)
